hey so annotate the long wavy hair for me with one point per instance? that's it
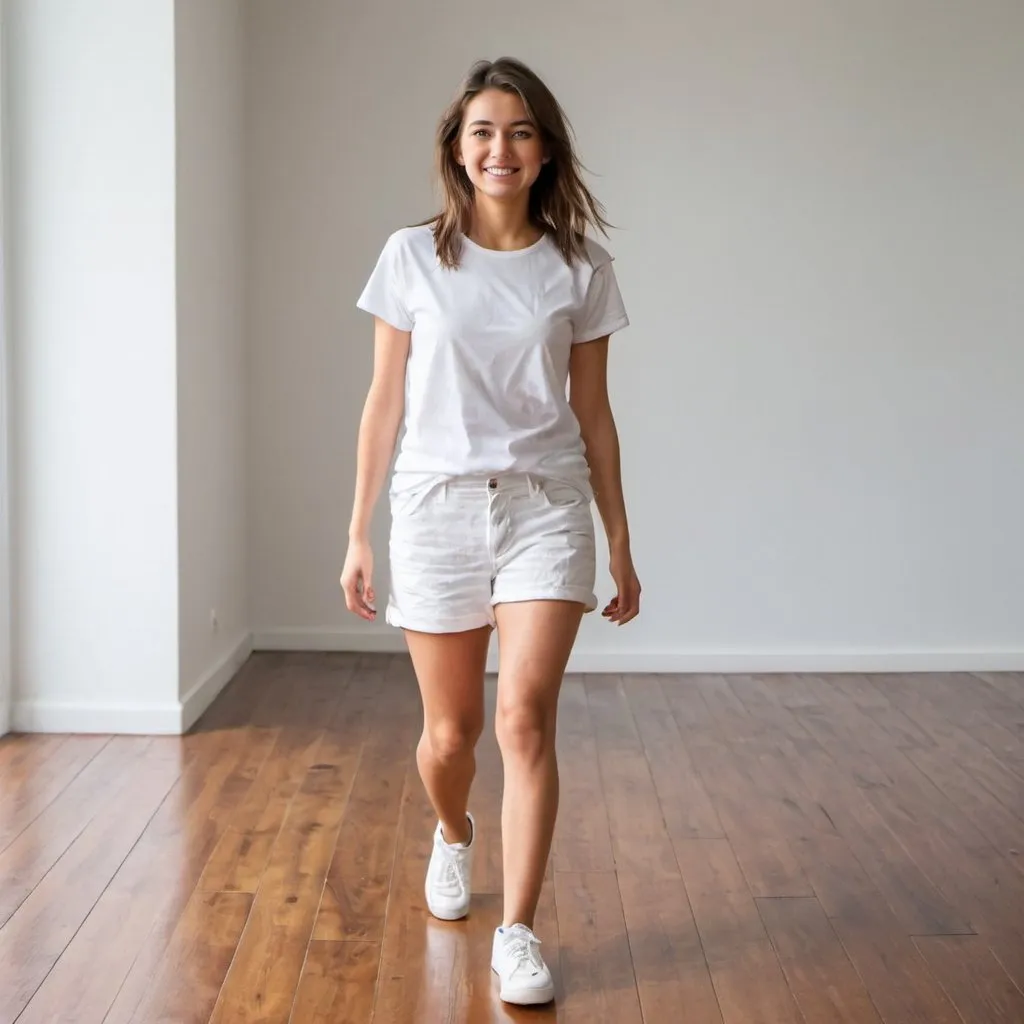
(560, 203)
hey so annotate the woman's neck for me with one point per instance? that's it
(502, 226)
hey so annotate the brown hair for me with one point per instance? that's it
(560, 202)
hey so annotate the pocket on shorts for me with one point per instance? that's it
(557, 494)
(411, 501)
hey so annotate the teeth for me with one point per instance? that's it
(501, 171)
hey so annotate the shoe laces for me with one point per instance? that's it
(454, 871)
(524, 948)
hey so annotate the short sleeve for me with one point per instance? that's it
(603, 309)
(384, 293)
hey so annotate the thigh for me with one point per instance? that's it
(535, 639)
(450, 670)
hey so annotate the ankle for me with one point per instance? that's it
(454, 836)
(522, 919)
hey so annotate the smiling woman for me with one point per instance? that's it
(482, 315)
(506, 123)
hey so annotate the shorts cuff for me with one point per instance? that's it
(436, 624)
(579, 595)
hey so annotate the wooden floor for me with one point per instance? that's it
(730, 849)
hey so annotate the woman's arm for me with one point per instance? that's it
(378, 431)
(588, 396)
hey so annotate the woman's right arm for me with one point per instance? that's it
(378, 431)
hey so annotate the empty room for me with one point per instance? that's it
(511, 513)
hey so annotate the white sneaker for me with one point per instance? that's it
(516, 959)
(448, 875)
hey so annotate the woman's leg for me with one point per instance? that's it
(535, 638)
(450, 671)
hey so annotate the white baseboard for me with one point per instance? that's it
(153, 719)
(202, 695)
(170, 718)
(640, 661)
(177, 717)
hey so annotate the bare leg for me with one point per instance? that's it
(536, 638)
(450, 672)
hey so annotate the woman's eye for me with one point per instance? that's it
(481, 133)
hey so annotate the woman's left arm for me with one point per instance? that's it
(588, 396)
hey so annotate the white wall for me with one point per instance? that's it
(5, 414)
(211, 344)
(822, 249)
(91, 102)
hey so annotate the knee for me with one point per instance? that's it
(451, 739)
(525, 730)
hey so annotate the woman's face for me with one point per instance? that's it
(500, 147)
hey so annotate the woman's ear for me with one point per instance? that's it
(457, 153)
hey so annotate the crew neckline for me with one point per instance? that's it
(504, 253)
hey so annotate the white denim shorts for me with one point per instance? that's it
(459, 547)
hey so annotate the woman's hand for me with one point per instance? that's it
(626, 603)
(357, 580)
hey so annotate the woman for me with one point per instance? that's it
(481, 316)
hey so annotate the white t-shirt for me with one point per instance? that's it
(489, 357)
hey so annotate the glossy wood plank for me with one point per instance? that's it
(240, 857)
(956, 743)
(825, 983)
(993, 820)
(358, 883)
(905, 733)
(759, 739)
(186, 988)
(264, 975)
(640, 841)
(141, 906)
(968, 870)
(833, 770)
(338, 983)
(958, 698)
(897, 978)
(25, 862)
(973, 979)
(36, 935)
(729, 748)
(749, 982)
(33, 783)
(668, 959)
(21, 754)
(1009, 684)
(240, 729)
(231, 745)
(687, 808)
(485, 799)
(582, 840)
(600, 986)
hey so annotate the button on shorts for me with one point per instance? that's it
(461, 546)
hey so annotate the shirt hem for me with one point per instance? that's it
(599, 332)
